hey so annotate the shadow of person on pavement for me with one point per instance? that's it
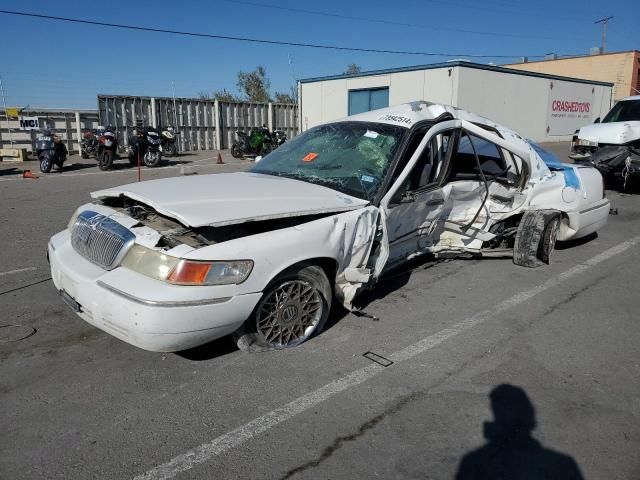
(511, 453)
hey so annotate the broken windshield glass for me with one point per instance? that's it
(351, 157)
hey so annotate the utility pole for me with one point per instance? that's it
(604, 22)
(6, 115)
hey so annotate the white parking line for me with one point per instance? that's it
(19, 270)
(244, 433)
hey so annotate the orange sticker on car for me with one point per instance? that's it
(310, 157)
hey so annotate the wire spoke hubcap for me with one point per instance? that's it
(289, 314)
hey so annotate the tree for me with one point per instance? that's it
(204, 95)
(290, 97)
(224, 96)
(255, 85)
(352, 69)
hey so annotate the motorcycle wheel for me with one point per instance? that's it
(235, 151)
(84, 154)
(170, 150)
(105, 162)
(152, 159)
(45, 163)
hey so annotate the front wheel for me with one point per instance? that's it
(235, 151)
(105, 160)
(152, 159)
(295, 306)
(45, 163)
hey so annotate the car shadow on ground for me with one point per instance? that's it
(511, 451)
(576, 243)
(209, 351)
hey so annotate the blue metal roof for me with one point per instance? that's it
(457, 63)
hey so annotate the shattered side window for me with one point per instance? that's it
(351, 157)
(464, 165)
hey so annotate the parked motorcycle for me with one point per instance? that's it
(50, 151)
(258, 142)
(279, 137)
(168, 137)
(89, 144)
(145, 147)
(107, 148)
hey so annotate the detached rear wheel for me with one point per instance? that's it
(294, 308)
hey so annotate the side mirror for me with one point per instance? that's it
(597, 120)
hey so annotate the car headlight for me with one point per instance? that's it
(586, 143)
(73, 219)
(160, 266)
(189, 272)
(151, 263)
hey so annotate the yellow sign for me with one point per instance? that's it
(12, 112)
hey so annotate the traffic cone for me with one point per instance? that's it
(28, 174)
(219, 162)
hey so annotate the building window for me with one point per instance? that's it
(367, 100)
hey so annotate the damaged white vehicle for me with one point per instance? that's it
(173, 263)
(613, 144)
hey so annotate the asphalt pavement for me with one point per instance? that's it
(475, 351)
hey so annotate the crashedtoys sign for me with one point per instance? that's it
(569, 108)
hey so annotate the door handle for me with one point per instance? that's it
(435, 201)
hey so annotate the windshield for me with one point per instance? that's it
(351, 157)
(625, 111)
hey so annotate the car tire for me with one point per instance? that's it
(536, 238)
(294, 307)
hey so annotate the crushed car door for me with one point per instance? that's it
(483, 181)
(416, 200)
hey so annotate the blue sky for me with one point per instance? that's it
(55, 64)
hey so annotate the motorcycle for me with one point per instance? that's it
(50, 150)
(168, 137)
(279, 137)
(89, 144)
(258, 142)
(107, 148)
(145, 147)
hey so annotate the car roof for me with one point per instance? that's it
(408, 114)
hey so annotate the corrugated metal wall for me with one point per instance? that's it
(61, 122)
(202, 124)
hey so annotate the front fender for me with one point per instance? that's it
(346, 238)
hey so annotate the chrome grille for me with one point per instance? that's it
(100, 239)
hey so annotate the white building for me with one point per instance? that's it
(540, 106)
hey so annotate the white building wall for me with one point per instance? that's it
(522, 103)
(517, 101)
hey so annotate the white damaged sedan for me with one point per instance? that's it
(173, 263)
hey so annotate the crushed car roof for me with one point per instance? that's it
(407, 114)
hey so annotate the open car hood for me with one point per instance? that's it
(233, 198)
(614, 133)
